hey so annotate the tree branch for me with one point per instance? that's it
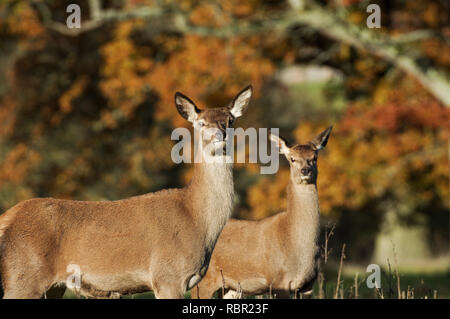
(98, 17)
(304, 12)
(433, 80)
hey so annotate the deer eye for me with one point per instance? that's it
(201, 124)
(292, 159)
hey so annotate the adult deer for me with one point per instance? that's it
(278, 253)
(158, 241)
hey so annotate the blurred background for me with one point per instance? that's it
(87, 113)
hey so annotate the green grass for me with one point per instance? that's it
(421, 282)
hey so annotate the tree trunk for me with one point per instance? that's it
(402, 243)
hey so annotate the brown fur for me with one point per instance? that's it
(160, 241)
(278, 253)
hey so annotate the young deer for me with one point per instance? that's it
(278, 253)
(158, 241)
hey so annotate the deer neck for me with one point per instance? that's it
(212, 192)
(303, 219)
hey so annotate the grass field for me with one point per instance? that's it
(420, 280)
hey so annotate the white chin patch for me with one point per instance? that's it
(305, 179)
(217, 148)
(219, 145)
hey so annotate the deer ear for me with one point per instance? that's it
(240, 103)
(186, 107)
(281, 143)
(321, 140)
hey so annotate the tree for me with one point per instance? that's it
(305, 12)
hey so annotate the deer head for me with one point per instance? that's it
(212, 123)
(302, 158)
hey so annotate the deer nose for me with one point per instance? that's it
(305, 171)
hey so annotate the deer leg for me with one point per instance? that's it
(205, 290)
(21, 294)
(167, 291)
(24, 280)
(23, 287)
